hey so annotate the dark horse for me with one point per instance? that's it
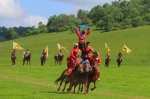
(83, 79)
(107, 61)
(119, 60)
(43, 59)
(58, 59)
(13, 59)
(27, 58)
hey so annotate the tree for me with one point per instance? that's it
(10, 33)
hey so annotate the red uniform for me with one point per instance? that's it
(81, 38)
(71, 60)
(88, 50)
(92, 59)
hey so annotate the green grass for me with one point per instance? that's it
(130, 81)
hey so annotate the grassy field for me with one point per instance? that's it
(130, 81)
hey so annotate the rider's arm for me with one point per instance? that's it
(77, 31)
(88, 32)
(91, 49)
(71, 54)
(99, 61)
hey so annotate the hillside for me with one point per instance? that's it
(137, 39)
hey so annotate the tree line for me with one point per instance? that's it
(121, 14)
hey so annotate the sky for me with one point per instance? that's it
(28, 13)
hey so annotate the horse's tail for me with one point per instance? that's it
(57, 80)
(62, 77)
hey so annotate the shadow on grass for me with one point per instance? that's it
(58, 92)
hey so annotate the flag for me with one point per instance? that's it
(17, 46)
(61, 47)
(126, 49)
(46, 50)
(107, 48)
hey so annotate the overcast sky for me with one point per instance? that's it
(31, 12)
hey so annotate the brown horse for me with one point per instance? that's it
(93, 77)
(58, 59)
(43, 59)
(63, 77)
(119, 60)
(83, 78)
(27, 58)
(13, 59)
(107, 61)
(73, 77)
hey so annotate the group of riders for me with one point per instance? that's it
(25, 54)
(82, 46)
(93, 60)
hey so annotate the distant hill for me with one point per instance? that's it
(137, 39)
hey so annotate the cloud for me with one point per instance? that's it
(11, 14)
(83, 4)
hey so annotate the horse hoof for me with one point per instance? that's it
(58, 89)
(92, 89)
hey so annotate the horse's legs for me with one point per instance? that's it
(88, 85)
(85, 88)
(41, 63)
(75, 88)
(23, 61)
(79, 88)
(60, 85)
(29, 63)
(94, 85)
(65, 86)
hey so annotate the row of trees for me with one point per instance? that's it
(121, 14)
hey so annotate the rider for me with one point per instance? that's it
(107, 56)
(88, 50)
(27, 52)
(71, 60)
(43, 53)
(13, 54)
(119, 56)
(59, 54)
(95, 60)
(82, 34)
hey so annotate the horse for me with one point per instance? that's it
(93, 77)
(62, 78)
(83, 78)
(107, 61)
(73, 77)
(58, 59)
(27, 58)
(13, 59)
(119, 60)
(43, 59)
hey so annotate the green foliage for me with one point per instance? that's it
(10, 33)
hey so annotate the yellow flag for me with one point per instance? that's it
(46, 50)
(126, 49)
(17, 46)
(107, 48)
(61, 47)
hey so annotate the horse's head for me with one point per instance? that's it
(86, 66)
(78, 68)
